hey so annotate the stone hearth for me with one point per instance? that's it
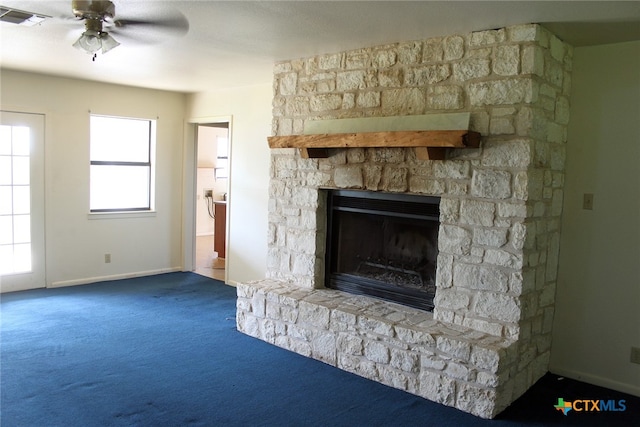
(488, 338)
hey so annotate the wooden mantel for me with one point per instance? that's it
(428, 144)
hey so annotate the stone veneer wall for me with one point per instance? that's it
(500, 208)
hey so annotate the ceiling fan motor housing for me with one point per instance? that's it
(93, 9)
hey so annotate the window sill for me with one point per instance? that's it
(121, 215)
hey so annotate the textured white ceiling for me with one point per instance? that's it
(235, 43)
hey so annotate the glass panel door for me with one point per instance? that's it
(21, 201)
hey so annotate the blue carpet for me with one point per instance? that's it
(163, 351)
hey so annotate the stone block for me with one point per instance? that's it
(323, 347)
(454, 348)
(449, 210)
(503, 258)
(372, 175)
(432, 50)
(437, 387)
(377, 326)
(432, 362)
(476, 400)
(314, 314)
(444, 272)
(501, 92)
(427, 75)
(502, 126)
(454, 240)
(497, 306)
(488, 37)
(562, 110)
(351, 344)
(419, 184)
(474, 68)
(476, 212)
(523, 33)
(494, 237)
(414, 336)
(452, 169)
(409, 53)
(325, 102)
(480, 277)
(491, 184)
(360, 58)
(391, 77)
(348, 101)
(358, 365)
(351, 80)
(554, 73)
(348, 177)
(445, 98)
(329, 62)
(406, 101)
(384, 58)
(515, 153)
(394, 378)
(394, 179)
(533, 60)
(325, 86)
(451, 299)
(453, 48)
(368, 100)
(486, 359)
(459, 371)
(288, 84)
(506, 60)
(376, 352)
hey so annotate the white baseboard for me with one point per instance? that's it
(88, 280)
(597, 380)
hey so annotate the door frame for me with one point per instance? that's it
(190, 169)
(38, 275)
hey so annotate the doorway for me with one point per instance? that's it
(212, 185)
(22, 250)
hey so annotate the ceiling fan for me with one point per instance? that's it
(100, 23)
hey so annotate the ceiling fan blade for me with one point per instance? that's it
(177, 24)
(149, 31)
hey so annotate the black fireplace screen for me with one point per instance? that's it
(383, 245)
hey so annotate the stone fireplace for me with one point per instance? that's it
(488, 337)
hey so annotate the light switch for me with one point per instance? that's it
(587, 201)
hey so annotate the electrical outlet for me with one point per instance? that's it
(587, 201)
(107, 258)
(635, 355)
(208, 193)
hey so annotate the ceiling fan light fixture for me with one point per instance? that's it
(89, 41)
(94, 39)
(108, 42)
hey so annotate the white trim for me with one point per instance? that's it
(85, 281)
(189, 163)
(121, 214)
(204, 234)
(597, 380)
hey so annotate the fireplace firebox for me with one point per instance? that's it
(383, 245)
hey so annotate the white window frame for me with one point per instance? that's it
(150, 163)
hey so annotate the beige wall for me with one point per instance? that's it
(76, 244)
(598, 296)
(250, 112)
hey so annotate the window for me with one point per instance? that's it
(15, 200)
(121, 154)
